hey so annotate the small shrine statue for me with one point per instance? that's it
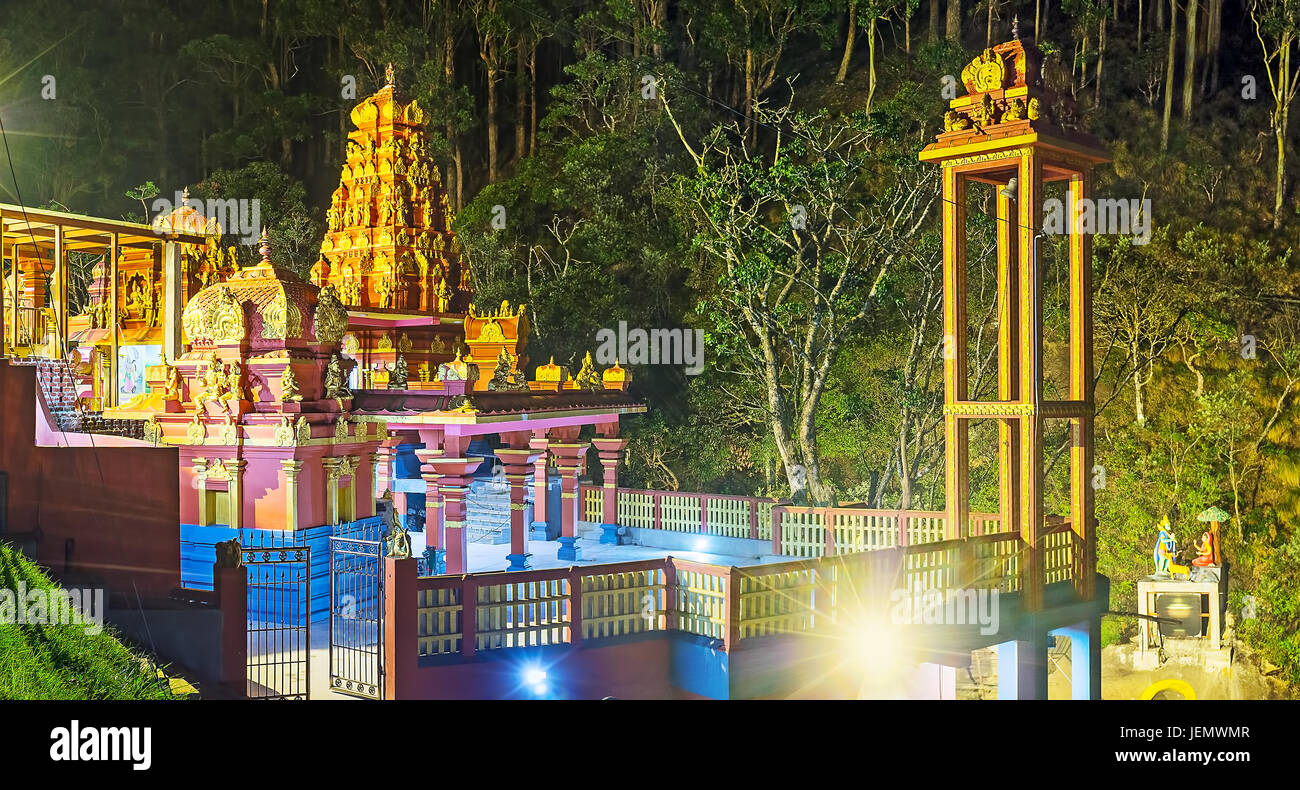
(397, 379)
(211, 381)
(334, 387)
(588, 378)
(1166, 551)
(289, 387)
(172, 387)
(1204, 551)
(505, 377)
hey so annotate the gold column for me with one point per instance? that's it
(59, 297)
(331, 466)
(1082, 513)
(1008, 364)
(1031, 394)
(113, 252)
(235, 491)
(956, 429)
(292, 468)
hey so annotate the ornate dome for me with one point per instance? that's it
(266, 306)
(186, 219)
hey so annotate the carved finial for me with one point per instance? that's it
(265, 246)
(185, 196)
(1015, 27)
(388, 75)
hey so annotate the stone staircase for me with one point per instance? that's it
(59, 390)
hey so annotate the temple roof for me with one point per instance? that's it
(418, 406)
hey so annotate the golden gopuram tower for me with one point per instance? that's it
(1009, 130)
(389, 252)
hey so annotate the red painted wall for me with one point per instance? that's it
(119, 504)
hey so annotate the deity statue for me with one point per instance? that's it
(172, 390)
(334, 386)
(289, 386)
(397, 380)
(1204, 551)
(1166, 551)
(335, 214)
(384, 290)
(505, 377)
(398, 544)
(212, 382)
(233, 384)
(588, 378)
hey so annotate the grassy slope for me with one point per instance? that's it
(63, 662)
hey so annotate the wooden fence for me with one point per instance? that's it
(493, 611)
(794, 531)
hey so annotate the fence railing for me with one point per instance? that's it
(500, 610)
(684, 511)
(793, 530)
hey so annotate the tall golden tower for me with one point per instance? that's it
(1009, 130)
(389, 244)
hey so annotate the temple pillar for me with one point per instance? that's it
(455, 475)
(1085, 658)
(292, 468)
(568, 457)
(541, 526)
(235, 467)
(517, 459)
(611, 455)
(434, 536)
(332, 474)
(173, 302)
(1022, 668)
(383, 461)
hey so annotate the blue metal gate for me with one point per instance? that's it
(278, 617)
(357, 611)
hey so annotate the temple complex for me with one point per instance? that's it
(288, 401)
(260, 418)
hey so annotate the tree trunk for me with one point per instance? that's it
(1284, 66)
(1101, 58)
(1189, 61)
(521, 100)
(934, 21)
(1215, 43)
(1139, 28)
(1169, 75)
(871, 63)
(492, 118)
(532, 92)
(848, 46)
(749, 94)
(954, 21)
(988, 28)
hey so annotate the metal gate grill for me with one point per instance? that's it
(357, 612)
(279, 616)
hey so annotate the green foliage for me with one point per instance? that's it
(63, 662)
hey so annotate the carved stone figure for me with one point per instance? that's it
(397, 379)
(289, 387)
(229, 554)
(334, 386)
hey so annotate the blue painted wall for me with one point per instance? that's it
(198, 552)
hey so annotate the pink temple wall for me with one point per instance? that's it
(265, 493)
(118, 504)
